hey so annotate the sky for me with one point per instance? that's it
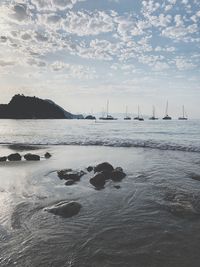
(79, 53)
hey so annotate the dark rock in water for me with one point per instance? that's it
(69, 174)
(195, 177)
(69, 182)
(98, 180)
(90, 117)
(63, 173)
(106, 174)
(31, 157)
(90, 168)
(119, 169)
(104, 167)
(47, 155)
(3, 159)
(65, 209)
(117, 186)
(117, 176)
(14, 157)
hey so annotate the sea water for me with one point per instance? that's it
(167, 135)
(152, 220)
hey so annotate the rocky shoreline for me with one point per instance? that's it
(27, 157)
(99, 175)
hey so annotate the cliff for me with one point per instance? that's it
(25, 107)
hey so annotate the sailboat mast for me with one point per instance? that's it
(138, 111)
(107, 107)
(166, 111)
(126, 111)
(153, 111)
(183, 112)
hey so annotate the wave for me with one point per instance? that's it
(151, 144)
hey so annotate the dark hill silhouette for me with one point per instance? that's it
(25, 107)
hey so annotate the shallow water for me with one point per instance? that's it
(152, 220)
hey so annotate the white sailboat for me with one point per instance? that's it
(167, 117)
(153, 115)
(108, 117)
(184, 117)
(126, 116)
(139, 118)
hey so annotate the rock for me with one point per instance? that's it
(117, 176)
(65, 209)
(69, 174)
(98, 180)
(63, 173)
(119, 169)
(106, 174)
(117, 186)
(3, 159)
(31, 157)
(47, 155)
(195, 177)
(90, 168)
(69, 182)
(14, 157)
(104, 167)
(90, 117)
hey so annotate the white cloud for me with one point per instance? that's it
(184, 64)
(85, 23)
(53, 5)
(179, 32)
(42, 29)
(74, 71)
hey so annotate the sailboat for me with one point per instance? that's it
(167, 117)
(184, 118)
(138, 116)
(108, 117)
(127, 117)
(153, 115)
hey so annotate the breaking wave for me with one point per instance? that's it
(151, 144)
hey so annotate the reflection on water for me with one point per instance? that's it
(152, 220)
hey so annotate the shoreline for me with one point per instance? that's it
(157, 197)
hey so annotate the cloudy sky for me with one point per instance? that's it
(80, 53)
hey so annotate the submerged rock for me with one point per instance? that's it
(69, 174)
(65, 209)
(47, 155)
(14, 157)
(70, 182)
(117, 175)
(98, 180)
(119, 169)
(3, 159)
(31, 157)
(90, 168)
(195, 177)
(24, 147)
(104, 167)
(117, 186)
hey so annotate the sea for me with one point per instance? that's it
(149, 219)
